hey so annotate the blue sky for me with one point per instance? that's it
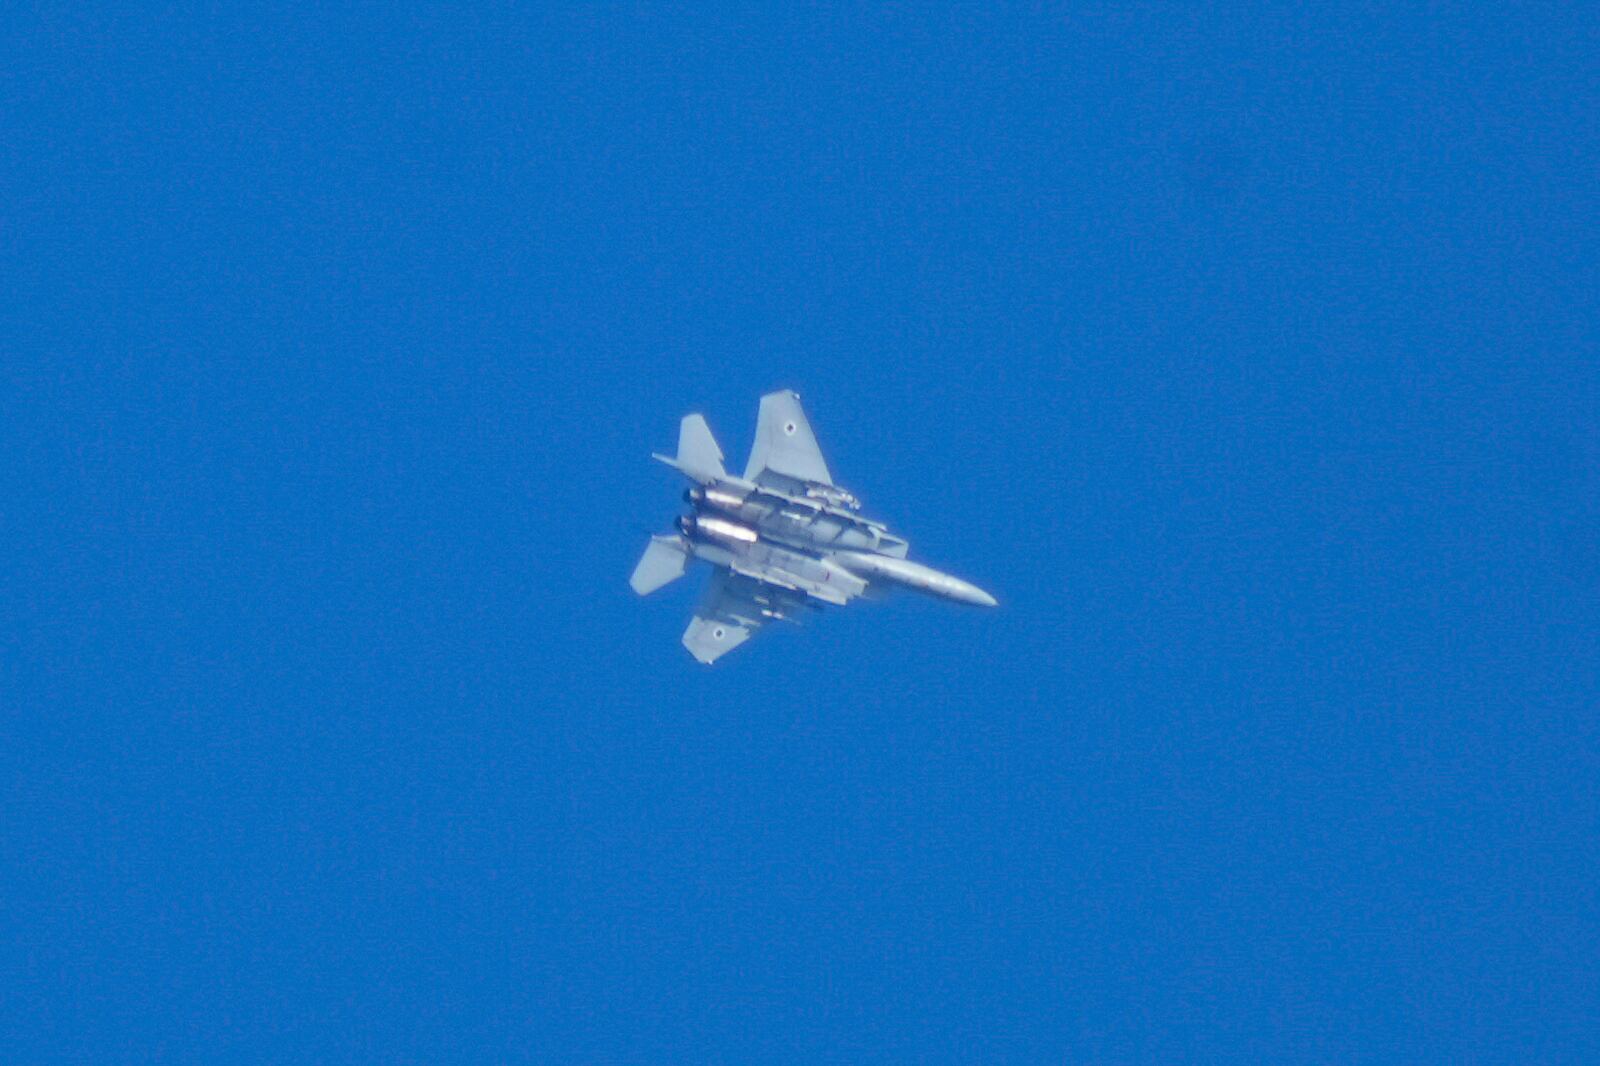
(1247, 354)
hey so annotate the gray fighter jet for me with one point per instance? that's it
(783, 539)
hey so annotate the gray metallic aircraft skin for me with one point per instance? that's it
(783, 539)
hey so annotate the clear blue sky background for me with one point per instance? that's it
(1247, 354)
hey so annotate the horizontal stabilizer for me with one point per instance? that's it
(663, 562)
(698, 455)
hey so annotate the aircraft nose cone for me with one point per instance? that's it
(966, 592)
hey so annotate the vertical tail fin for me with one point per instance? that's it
(698, 455)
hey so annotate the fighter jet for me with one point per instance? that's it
(782, 540)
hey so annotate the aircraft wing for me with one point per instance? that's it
(727, 617)
(785, 444)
